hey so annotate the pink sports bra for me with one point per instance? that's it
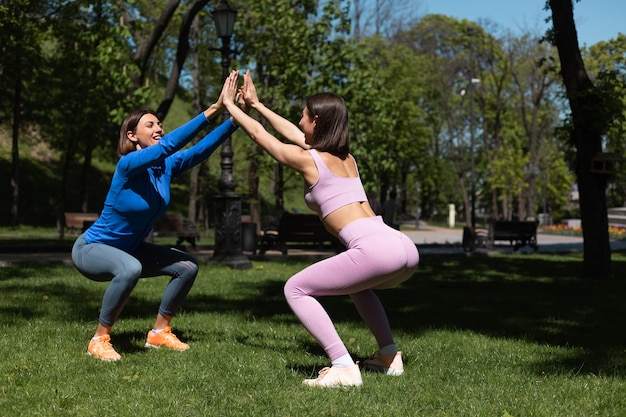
(331, 191)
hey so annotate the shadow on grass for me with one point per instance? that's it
(539, 299)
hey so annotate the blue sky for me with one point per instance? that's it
(596, 20)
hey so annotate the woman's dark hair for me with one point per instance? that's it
(129, 124)
(331, 128)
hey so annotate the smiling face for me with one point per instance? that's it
(148, 131)
(307, 124)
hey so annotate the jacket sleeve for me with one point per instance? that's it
(137, 161)
(188, 158)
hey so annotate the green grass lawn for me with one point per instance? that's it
(515, 335)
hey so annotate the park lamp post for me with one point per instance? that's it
(227, 204)
(469, 231)
(473, 81)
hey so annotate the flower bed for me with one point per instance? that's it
(615, 232)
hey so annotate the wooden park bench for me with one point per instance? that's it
(79, 221)
(297, 230)
(517, 233)
(173, 225)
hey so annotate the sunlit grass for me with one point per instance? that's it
(481, 336)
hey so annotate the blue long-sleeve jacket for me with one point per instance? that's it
(140, 188)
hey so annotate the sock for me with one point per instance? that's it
(344, 361)
(157, 331)
(388, 350)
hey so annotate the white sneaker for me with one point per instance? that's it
(389, 365)
(337, 377)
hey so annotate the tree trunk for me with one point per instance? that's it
(84, 191)
(404, 174)
(61, 206)
(181, 56)
(505, 207)
(495, 211)
(278, 189)
(146, 45)
(586, 136)
(253, 186)
(192, 214)
(15, 154)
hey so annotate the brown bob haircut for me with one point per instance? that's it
(331, 129)
(129, 124)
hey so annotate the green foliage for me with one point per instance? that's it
(41, 188)
(307, 55)
(606, 64)
(370, 99)
(508, 168)
(409, 121)
(90, 95)
(21, 32)
(555, 180)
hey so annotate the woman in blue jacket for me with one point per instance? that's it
(113, 248)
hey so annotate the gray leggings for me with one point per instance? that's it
(100, 262)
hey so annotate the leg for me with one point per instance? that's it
(101, 263)
(367, 264)
(182, 268)
(104, 263)
(373, 315)
(388, 359)
(377, 257)
(368, 304)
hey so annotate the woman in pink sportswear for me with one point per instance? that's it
(377, 256)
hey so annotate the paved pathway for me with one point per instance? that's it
(429, 239)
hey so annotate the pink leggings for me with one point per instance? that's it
(377, 257)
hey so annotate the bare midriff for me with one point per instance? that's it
(345, 215)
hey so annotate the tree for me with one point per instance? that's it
(388, 123)
(606, 64)
(500, 139)
(308, 54)
(538, 106)
(77, 103)
(588, 125)
(446, 47)
(21, 28)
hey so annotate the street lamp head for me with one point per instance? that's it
(224, 17)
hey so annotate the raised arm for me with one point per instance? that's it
(286, 154)
(216, 108)
(284, 127)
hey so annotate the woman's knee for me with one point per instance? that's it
(129, 271)
(292, 290)
(288, 290)
(188, 268)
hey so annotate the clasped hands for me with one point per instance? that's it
(245, 95)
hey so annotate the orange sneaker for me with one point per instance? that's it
(388, 364)
(165, 338)
(337, 377)
(100, 347)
